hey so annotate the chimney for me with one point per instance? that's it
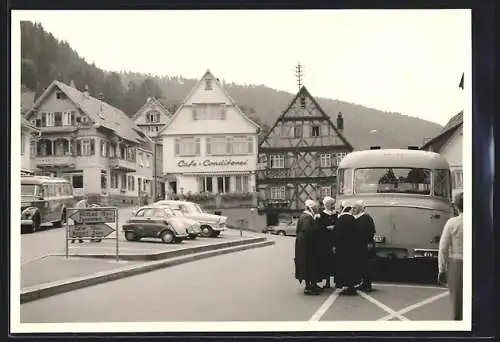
(340, 122)
(86, 91)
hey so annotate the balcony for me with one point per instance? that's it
(122, 165)
(59, 161)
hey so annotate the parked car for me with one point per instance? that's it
(156, 222)
(284, 228)
(194, 227)
(211, 225)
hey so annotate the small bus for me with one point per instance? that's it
(44, 201)
(407, 193)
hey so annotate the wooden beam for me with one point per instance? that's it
(327, 148)
(303, 118)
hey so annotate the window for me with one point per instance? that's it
(209, 111)
(131, 183)
(87, 146)
(23, 143)
(278, 192)
(325, 160)
(241, 183)
(140, 159)
(220, 184)
(104, 148)
(227, 184)
(77, 181)
(206, 184)
(148, 212)
(458, 179)
(123, 181)
(50, 119)
(277, 161)
(393, 180)
(325, 191)
(208, 84)
(315, 131)
(33, 149)
(338, 157)
(153, 116)
(442, 185)
(187, 147)
(148, 163)
(218, 146)
(297, 130)
(60, 95)
(104, 182)
(345, 182)
(58, 119)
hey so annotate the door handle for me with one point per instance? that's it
(436, 216)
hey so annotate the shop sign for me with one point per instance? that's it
(207, 163)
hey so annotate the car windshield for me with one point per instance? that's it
(163, 212)
(177, 212)
(191, 208)
(393, 180)
(147, 212)
(29, 190)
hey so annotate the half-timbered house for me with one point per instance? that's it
(298, 158)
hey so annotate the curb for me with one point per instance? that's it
(58, 287)
(169, 254)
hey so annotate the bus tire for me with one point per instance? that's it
(62, 222)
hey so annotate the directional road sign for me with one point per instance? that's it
(95, 230)
(94, 215)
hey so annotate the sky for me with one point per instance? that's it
(405, 61)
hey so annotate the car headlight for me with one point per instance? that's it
(26, 213)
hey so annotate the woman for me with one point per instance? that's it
(366, 227)
(349, 246)
(306, 252)
(326, 222)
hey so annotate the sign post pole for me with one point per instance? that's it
(117, 238)
(67, 235)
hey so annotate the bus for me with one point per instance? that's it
(408, 195)
(44, 201)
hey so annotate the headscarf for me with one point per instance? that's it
(345, 204)
(327, 200)
(359, 206)
(310, 204)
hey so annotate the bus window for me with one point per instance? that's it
(442, 183)
(345, 182)
(393, 180)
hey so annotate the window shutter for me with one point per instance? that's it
(92, 147)
(197, 146)
(177, 146)
(78, 147)
(209, 145)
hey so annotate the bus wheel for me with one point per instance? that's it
(35, 226)
(62, 222)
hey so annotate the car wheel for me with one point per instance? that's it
(206, 231)
(193, 237)
(215, 233)
(36, 223)
(168, 237)
(282, 233)
(130, 236)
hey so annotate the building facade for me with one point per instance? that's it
(449, 144)
(298, 158)
(28, 131)
(91, 143)
(151, 118)
(209, 145)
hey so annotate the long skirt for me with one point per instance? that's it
(455, 285)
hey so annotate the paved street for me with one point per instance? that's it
(252, 285)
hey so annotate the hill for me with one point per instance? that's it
(45, 58)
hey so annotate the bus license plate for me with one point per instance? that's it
(379, 239)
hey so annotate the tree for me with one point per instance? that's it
(29, 75)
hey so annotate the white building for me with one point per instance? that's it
(210, 145)
(27, 160)
(449, 144)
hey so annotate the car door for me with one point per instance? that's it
(142, 221)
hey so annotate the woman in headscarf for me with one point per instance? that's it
(366, 227)
(307, 263)
(349, 246)
(326, 223)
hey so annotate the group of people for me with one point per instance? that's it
(334, 244)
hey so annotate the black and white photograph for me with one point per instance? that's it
(241, 170)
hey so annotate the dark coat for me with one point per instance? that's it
(367, 227)
(326, 224)
(307, 263)
(349, 251)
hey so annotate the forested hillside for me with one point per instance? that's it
(45, 58)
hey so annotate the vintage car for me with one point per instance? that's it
(194, 227)
(284, 228)
(211, 225)
(156, 222)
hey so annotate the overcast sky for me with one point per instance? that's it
(402, 61)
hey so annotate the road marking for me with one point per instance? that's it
(383, 306)
(415, 306)
(324, 307)
(410, 286)
(35, 259)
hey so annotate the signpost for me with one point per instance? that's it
(90, 224)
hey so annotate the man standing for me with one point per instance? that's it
(307, 262)
(450, 258)
(326, 223)
(366, 227)
(349, 249)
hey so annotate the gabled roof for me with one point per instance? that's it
(110, 117)
(447, 131)
(304, 92)
(193, 90)
(25, 123)
(150, 101)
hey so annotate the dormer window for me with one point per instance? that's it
(208, 84)
(60, 95)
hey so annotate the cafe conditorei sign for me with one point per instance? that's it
(183, 163)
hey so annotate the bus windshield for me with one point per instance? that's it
(393, 180)
(29, 190)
